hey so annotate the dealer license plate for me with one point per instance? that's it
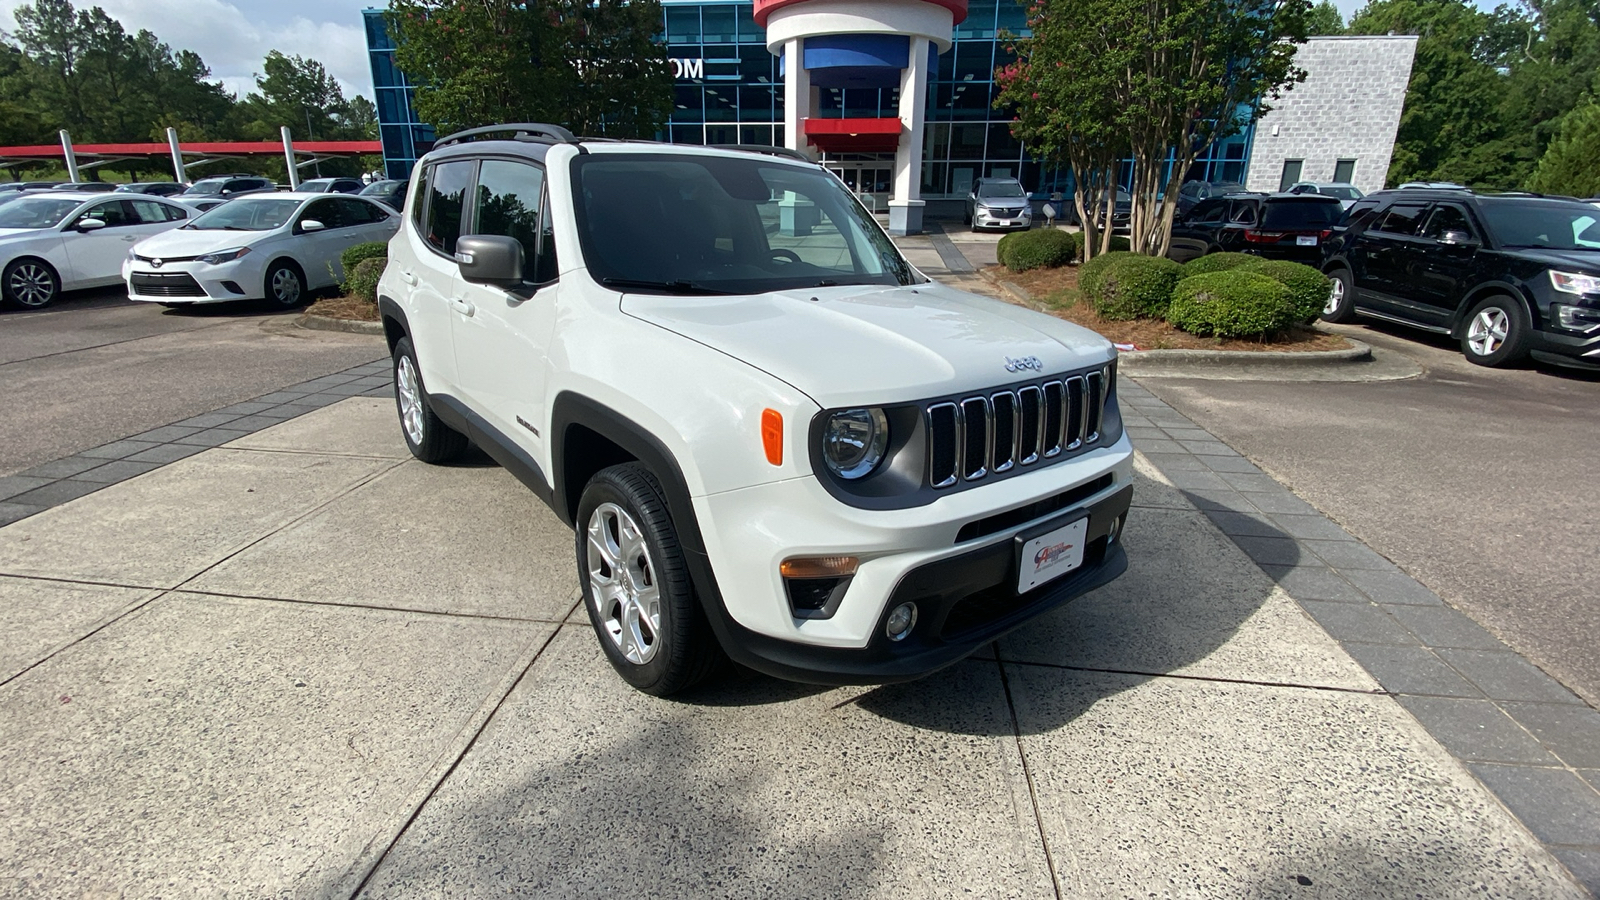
(1051, 555)
(1305, 240)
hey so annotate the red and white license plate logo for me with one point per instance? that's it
(1052, 555)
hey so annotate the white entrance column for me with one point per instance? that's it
(796, 95)
(905, 209)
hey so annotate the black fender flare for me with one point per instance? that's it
(389, 310)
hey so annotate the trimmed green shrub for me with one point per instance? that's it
(1308, 288)
(1091, 272)
(1232, 303)
(1045, 248)
(1119, 244)
(363, 279)
(355, 253)
(1132, 286)
(1002, 249)
(1217, 262)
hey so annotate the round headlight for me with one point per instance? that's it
(853, 442)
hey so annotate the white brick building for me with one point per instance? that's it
(1339, 124)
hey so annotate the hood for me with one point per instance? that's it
(20, 232)
(1586, 261)
(855, 345)
(193, 242)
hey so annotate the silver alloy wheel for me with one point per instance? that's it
(286, 286)
(623, 581)
(1488, 330)
(31, 284)
(1335, 298)
(410, 389)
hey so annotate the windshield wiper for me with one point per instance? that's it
(671, 287)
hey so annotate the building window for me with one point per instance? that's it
(1291, 173)
(1344, 171)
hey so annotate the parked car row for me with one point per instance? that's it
(1507, 275)
(278, 246)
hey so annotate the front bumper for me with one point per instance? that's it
(190, 281)
(1563, 346)
(961, 576)
(983, 218)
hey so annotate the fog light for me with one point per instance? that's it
(1116, 530)
(901, 620)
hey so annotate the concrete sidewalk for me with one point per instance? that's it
(302, 664)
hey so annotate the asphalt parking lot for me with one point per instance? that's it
(294, 661)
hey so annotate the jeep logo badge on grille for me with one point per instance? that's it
(1026, 362)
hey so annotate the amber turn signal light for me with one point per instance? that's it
(772, 435)
(819, 567)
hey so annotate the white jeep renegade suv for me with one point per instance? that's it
(773, 437)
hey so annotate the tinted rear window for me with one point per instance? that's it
(1301, 213)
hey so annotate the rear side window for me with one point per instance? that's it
(1402, 218)
(448, 184)
(1308, 213)
(149, 212)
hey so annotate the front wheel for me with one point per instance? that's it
(1497, 333)
(284, 286)
(428, 438)
(1341, 296)
(636, 585)
(30, 283)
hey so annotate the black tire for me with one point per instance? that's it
(1341, 305)
(1499, 325)
(682, 651)
(30, 283)
(284, 286)
(434, 441)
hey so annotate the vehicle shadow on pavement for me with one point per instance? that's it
(1191, 604)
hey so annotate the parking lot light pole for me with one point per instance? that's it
(288, 158)
(177, 157)
(71, 158)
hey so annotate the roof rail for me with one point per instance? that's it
(520, 131)
(768, 149)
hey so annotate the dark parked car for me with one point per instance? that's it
(331, 186)
(157, 188)
(88, 187)
(1121, 213)
(1505, 274)
(1193, 192)
(226, 187)
(390, 192)
(1276, 226)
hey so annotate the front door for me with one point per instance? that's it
(96, 256)
(1448, 243)
(502, 337)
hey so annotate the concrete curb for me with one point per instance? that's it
(326, 323)
(1135, 361)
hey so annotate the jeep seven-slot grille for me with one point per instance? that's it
(974, 437)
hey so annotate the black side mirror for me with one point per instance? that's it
(1457, 239)
(490, 259)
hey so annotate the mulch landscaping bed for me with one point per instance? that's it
(1057, 290)
(353, 308)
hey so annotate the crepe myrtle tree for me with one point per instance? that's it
(1173, 76)
(594, 66)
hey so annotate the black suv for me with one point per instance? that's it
(1276, 226)
(1506, 274)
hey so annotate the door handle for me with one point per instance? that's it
(408, 278)
(462, 306)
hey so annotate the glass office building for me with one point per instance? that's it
(729, 90)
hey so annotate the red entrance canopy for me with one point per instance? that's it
(854, 135)
(226, 148)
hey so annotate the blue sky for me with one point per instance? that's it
(234, 35)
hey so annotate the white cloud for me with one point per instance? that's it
(234, 42)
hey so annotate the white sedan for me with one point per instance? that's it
(54, 241)
(277, 247)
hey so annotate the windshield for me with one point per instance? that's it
(1313, 212)
(36, 212)
(1343, 193)
(207, 186)
(247, 214)
(691, 224)
(1550, 226)
(987, 191)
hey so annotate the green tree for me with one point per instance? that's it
(1554, 53)
(1324, 19)
(1571, 165)
(299, 93)
(594, 66)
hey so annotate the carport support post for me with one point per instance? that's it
(178, 173)
(905, 210)
(69, 156)
(288, 158)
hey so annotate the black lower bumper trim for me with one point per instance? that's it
(963, 602)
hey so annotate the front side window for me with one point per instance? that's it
(448, 184)
(115, 213)
(1445, 219)
(723, 225)
(509, 204)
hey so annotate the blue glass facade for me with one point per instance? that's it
(729, 91)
